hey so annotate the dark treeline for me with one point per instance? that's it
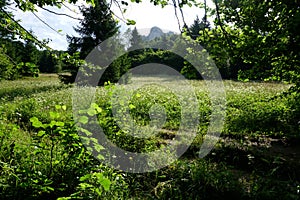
(25, 59)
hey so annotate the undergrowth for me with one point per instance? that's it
(43, 157)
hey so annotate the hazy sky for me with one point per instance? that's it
(145, 14)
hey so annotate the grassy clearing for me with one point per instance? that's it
(257, 156)
(26, 87)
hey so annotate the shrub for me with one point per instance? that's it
(8, 71)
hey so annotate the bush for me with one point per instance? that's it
(8, 71)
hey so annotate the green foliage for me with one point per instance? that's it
(266, 41)
(28, 69)
(251, 40)
(7, 68)
(205, 181)
(135, 40)
(72, 63)
(30, 52)
(48, 167)
(26, 88)
(48, 63)
(146, 56)
(99, 185)
(42, 156)
(197, 26)
(116, 71)
(18, 59)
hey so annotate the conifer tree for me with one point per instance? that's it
(135, 40)
(198, 26)
(97, 25)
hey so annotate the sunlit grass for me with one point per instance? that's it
(252, 112)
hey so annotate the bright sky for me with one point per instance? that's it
(145, 14)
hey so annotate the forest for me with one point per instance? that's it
(140, 134)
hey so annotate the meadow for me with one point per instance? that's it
(42, 156)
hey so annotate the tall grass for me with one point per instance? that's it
(46, 159)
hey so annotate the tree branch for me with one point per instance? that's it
(182, 15)
(69, 8)
(62, 14)
(119, 6)
(32, 37)
(175, 10)
(205, 19)
(220, 23)
(11, 60)
(205, 12)
(46, 24)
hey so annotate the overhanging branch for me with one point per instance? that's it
(61, 14)
(32, 37)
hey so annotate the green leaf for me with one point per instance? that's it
(85, 177)
(92, 2)
(54, 115)
(90, 149)
(60, 124)
(82, 111)
(96, 107)
(64, 107)
(130, 22)
(36, 122)
(57, 107)
(41, 133)
(131, 106)
(64, 198)
(91, 112)
(86, 141)
(100, 157)
(98, 191)
(87, 133)
(52, 123)
(84, 186)
(99, 110)
(105, 182)
(94, 140)
(98, 147)
(83, 119)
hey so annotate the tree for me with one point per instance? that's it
(5, 26)
(7, 68)
(47, 63)
(14, 52)
(266, 37)
(197, 26)
(30, 52)
(97, 26)
(135, 40)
